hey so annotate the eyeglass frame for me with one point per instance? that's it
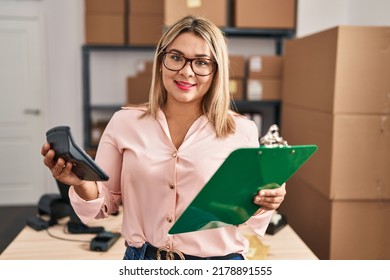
(188, 60)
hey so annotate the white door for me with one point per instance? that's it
(22, 176)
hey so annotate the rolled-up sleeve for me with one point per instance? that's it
(259, 222)
(85, 210)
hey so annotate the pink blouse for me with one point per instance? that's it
(155, 182)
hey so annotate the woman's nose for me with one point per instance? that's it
(187, 69)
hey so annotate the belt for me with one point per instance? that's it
(168, 254)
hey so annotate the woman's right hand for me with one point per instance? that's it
(61, 170)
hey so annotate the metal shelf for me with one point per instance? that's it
(87, 107)
(105, 107)
(244, 106)
(276, 34)
(269, 111)
(264, 33)
(117, 48)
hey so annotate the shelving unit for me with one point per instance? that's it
(268, 109)
(278, 35)
(87, 107)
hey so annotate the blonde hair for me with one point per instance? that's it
(216, 102)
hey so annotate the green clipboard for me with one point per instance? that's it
(227, 198)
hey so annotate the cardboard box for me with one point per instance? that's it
(105, 7)
(236, 88)
(145, 22)
(149, 7)
(217, 10)
(138, 89)
(353, 158)
(91, 152)
(237, 66)
(264, 89)
(106, 29)
(338, 229)
(145, 68)
(345, 69)
(263, 66)
(97, 130)
(145, 29)
(275, 14)
(105, 22)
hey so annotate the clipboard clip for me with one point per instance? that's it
(272, 139)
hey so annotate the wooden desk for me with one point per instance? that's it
(287, 245)
(39, 245)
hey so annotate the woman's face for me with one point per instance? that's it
(184, 86)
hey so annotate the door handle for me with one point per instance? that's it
(34, 112)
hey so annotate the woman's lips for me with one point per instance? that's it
(184, 85)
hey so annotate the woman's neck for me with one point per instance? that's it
(183, 112)
(180, 119)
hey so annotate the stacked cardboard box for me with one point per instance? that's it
(97, 130)
(138, 86)
(141, 22)
(237, 76)
(218, 11)
(120, 22)
(275, 14)
(264, 78)
(336, 95)
(105, 22)
(146, 22)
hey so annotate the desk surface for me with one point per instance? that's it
(39, 245)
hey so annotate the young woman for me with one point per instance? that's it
(159, 155)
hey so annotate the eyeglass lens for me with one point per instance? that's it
(200, 66)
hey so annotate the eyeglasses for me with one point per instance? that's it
(200, 66)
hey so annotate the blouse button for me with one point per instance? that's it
(174, 154)
(171, 186)
(169, 219)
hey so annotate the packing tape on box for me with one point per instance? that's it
(255, 90)
(233, 86)
(194, 3)
(255, 64)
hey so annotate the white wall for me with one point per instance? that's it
(318, 15)
(369, 12)
(65, 35)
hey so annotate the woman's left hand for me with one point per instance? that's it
(270, 199)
